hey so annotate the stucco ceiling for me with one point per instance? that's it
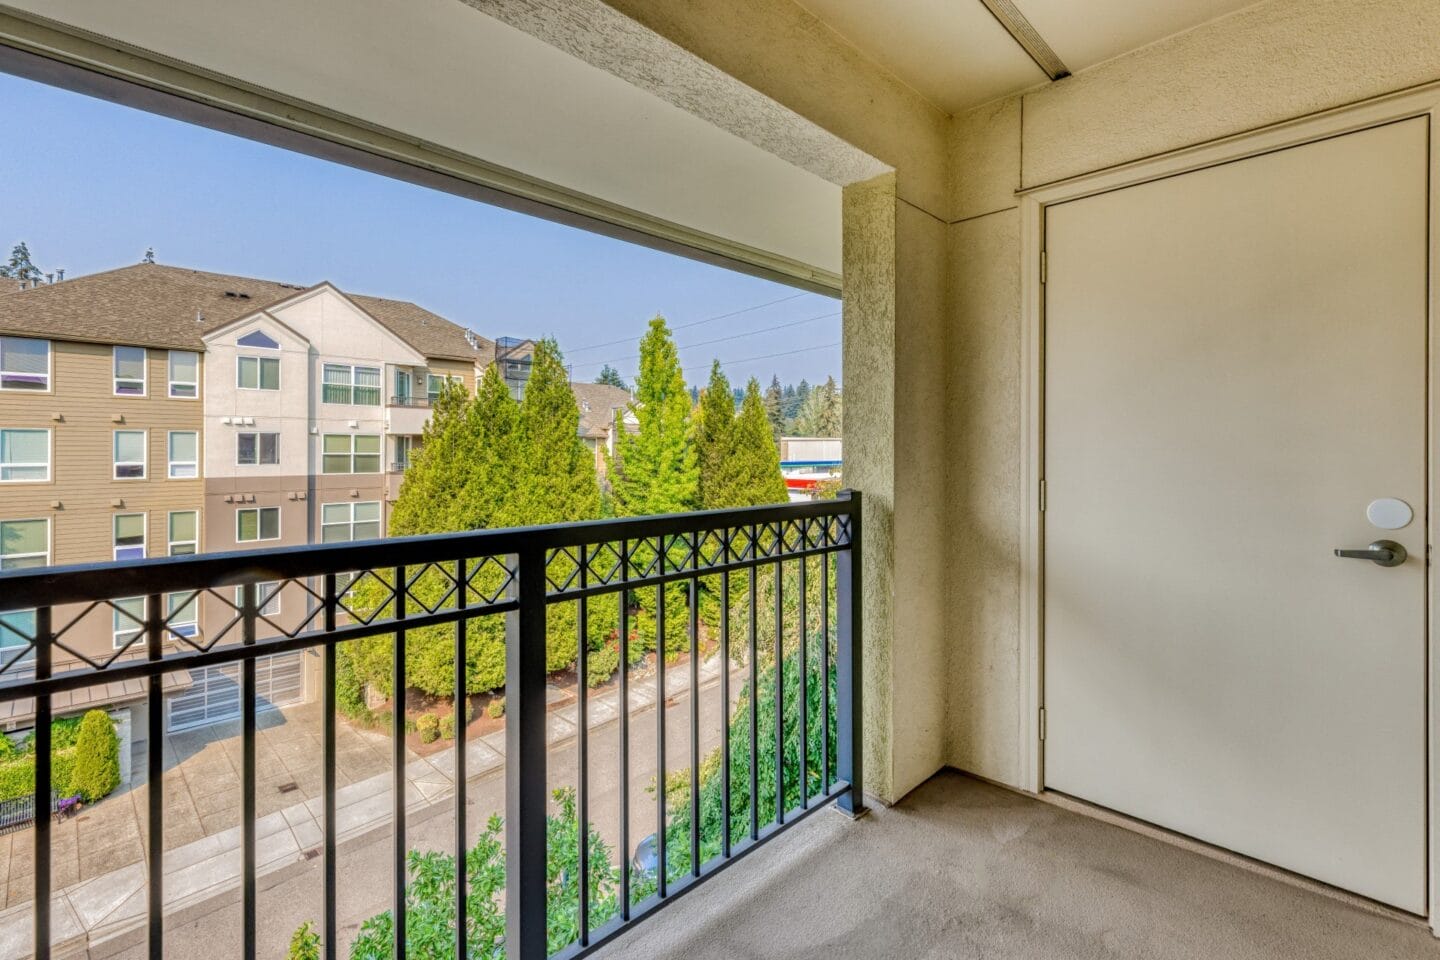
(956, 54)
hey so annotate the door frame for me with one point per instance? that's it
(1421, 101)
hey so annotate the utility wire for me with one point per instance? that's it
(768, 356)
(696, 323)
(706, 343)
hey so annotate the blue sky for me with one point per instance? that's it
(89, 185)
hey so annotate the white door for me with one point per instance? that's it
(1235, 368)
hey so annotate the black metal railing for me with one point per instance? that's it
(391, 587)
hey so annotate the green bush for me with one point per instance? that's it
(496, 708)
(304, 944)
(97, 757)
(429, 726)
(602, 664)
(17, 762)
(17, 777)
(447, 727)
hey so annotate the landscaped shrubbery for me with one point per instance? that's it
(84, 759)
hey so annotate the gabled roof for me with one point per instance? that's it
(154, 305)
(598, 402)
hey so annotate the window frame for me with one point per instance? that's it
(351, 454)
(177, 627)
(116, 379)
(172, 383)
(144, 535)
(134, 634)
(116, 463)
(259, 461)
(49, 366)
(259, 526)
(49, 455)
(240, 358)
(171, 462)
(270, 608)
(350, 387)
(49, 540)
(170, 542)
(350, 521)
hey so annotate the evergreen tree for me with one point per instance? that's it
(750, 475)
(20, 267)
(555, 479)
(654, 470)
(714, 424)
(609, 375)
(821, 416)
(774, 399)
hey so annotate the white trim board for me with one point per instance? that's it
(1421, 101)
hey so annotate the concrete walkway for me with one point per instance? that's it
(107, 912)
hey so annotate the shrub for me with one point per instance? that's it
(447, 727)
(602, 664)
(496, 708)
(304, 944)
(429, 726)
(97, 757)
(17, 777)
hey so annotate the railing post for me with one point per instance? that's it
(849, 713)
(525, 937)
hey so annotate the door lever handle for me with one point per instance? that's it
(1386, 553)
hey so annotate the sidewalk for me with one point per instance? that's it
(107, 913)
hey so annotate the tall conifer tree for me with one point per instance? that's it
(750, 476)
(655, 469)
(714, 424)
(555, 479)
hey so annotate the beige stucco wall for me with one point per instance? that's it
(1259, 66)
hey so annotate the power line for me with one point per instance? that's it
(706, 343)
(696, 323)
(768, 356)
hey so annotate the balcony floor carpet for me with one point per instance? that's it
(964, 869)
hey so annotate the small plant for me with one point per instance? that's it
(496, 708)
(447, 727)
(429, 727)
(304, 944)
(97, 757)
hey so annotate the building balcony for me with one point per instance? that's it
(407, 415)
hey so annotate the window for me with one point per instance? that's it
(180, 613)
(129, 370)
(435, 385)
(257, 373)
(24, 543)
(24, 364)
(267, 595)
(403, 380)
(184, 533)
(257, 448)
(129, 455)
(184, 447)
(258, 338)
(184, 374)
(350, 453)
(340, 522)
(346, 384)
(129, 536)
(17, 630)
(403, 446)
(257, 523)
(24, 456)
(127, 621)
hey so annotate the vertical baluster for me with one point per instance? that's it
(660, 724)
(694, 628)
(825, 672)
(780, 682)
(525, 762)
(754, 687)
(327, 720)
(582, 746)
(43, 650)
(155, 781)
(397, 769)
(624, 733)
(804, 688)
(725, 697)
(247, 775)
(849, 743)
(462, 880)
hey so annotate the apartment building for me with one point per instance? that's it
(153, 411)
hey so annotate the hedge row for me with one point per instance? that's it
(84, 759)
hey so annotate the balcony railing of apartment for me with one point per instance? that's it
(399, 466)
(523, 575)
(410, 401)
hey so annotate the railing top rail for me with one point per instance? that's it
(83, 583)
